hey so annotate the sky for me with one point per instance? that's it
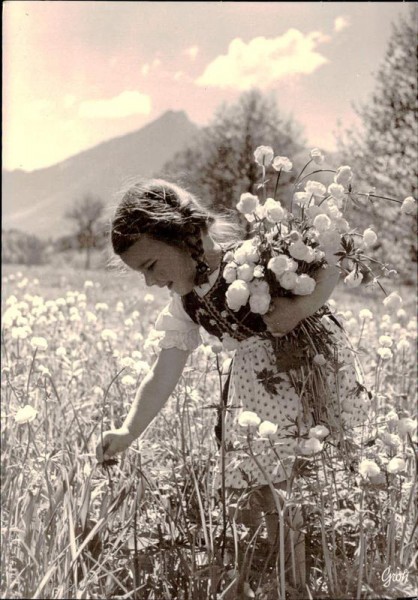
(78, 73)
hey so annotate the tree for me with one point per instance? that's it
(87, 214)
(219, 165)
(384, 153)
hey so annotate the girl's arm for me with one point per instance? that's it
(288, 312)
(151, 396)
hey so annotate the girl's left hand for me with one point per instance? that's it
(283, 316)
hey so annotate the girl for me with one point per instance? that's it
(162, 231)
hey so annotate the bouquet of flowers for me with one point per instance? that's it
(287, 248)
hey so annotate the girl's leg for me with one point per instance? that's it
(295, 555)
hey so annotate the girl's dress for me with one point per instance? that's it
(257, 382)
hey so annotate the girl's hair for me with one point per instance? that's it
(170, 214)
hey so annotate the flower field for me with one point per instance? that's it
(75, 345)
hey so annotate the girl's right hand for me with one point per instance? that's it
(112, 442)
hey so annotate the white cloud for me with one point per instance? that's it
(124, 105)
(262, 62)
(147, 67)
(191, 52)
(341, 23)
(69, 100)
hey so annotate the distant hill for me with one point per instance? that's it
(35, 202)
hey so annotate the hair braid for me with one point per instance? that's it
(193, 241)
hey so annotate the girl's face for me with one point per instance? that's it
(161, 264)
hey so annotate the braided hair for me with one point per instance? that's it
(167, 213)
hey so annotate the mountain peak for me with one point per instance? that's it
(36, 202)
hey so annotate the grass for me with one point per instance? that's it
(153, 526)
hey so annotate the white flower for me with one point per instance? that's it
(237, 294)
(247, 252)
(258, 271)
(369, 237)
(259, 286)
(403, 345)
(39, 343)
(305, 285)
(274, 210)
(409, 206)
(368, 468)
(315, 188)
(263, 155)
(281, 263)
(393, 301)
(288, 280)
(301, 198)
(245, 272)
(101, 306)
(19, 333)
(230, 272)
(322, 222)
(259, 303)
(247, 203)
(385, 353)
(341, 225)
(128, 380)
(336, 190)
(248, 418)
(61, 351)
(319, 359)
(317, 156)
(320, 432)
(149, 298)
(311, 446)
(386, 341)
(267, 428)
(365, 314)
(108, 334)
(25, 415)
(88, 284)
(343, 175)
(295, 236)
(353, 279)
(406, 425)
(396, 465)
(299, 250)
(282, 163)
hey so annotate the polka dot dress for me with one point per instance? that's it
(253, 463)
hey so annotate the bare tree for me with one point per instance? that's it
(87, 214)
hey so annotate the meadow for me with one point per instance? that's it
(75, 344)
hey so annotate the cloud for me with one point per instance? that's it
(341, 23)
(191, 52)
(125, 104)
(147, 67)
(262, 62)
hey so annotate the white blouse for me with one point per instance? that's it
(177, 328)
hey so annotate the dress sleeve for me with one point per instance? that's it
(176, 328)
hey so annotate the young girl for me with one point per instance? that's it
(162, 231)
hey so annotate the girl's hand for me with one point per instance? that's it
(114, 441)
(283, 316)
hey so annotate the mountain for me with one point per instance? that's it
(36, 202)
